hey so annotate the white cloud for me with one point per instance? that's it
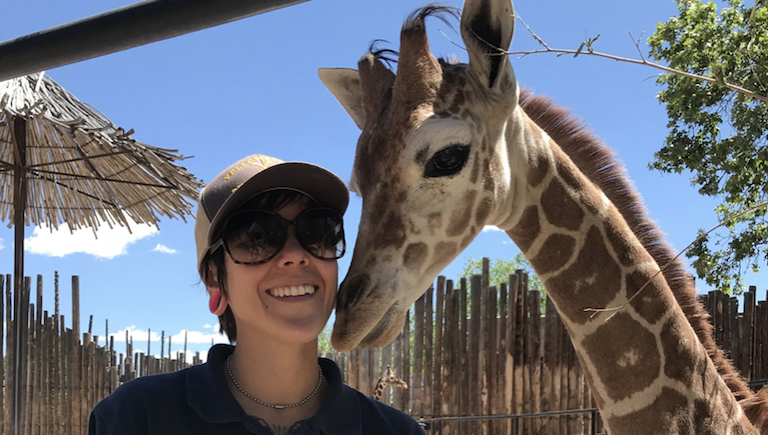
(193, 337)
(488, 228)
(109, 244)
(139, 337)
(164, 249)
(1, 244)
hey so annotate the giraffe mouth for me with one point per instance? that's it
(366, 316)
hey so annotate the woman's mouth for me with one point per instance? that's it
(292, 290)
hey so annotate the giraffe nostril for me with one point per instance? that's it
(350, 291)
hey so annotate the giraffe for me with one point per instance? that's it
(447, 148)
(388, 378)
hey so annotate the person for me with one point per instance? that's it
(268, 235)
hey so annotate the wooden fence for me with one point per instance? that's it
(66, 373)
(467, 349)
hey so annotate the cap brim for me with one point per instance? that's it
(321, 185)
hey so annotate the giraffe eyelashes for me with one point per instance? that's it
(447, 162)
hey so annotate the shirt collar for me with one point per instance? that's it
(209, 396)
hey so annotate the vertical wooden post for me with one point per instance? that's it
(439, 348)
(463, 427)
(747, 348)
(417, 394)
(397, 365)
(449, 348)
(473, 353)
(407, 363)
(428, 352)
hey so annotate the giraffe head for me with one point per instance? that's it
(388, 378)
(391, 378)
(429, 164)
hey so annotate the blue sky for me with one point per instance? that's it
(251, 87)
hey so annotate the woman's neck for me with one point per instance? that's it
(278, 374)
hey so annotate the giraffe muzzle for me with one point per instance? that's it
(367, 314)
(350, 291)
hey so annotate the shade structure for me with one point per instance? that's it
(80, 168)
(61, 161)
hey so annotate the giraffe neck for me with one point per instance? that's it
(379, 389)
(637, 359)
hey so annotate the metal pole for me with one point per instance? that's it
(120, 29)
(20, 314)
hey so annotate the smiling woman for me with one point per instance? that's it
(268, 235)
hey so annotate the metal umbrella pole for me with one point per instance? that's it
(120, 29)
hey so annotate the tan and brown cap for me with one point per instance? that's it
(257, 174)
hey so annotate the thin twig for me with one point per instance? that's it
(548, 49)
(596, 311)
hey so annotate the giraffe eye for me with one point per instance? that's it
(446, 162)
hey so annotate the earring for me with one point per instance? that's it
(213, 303)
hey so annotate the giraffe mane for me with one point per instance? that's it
(600, 165)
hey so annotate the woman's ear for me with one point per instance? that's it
(217, 300)
(217, 303)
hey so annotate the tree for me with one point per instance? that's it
(717, 134)
(324, 340)
(499, 271)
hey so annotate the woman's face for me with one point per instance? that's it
(289, 298)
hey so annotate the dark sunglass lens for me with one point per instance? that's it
(321, 232)
(254, 237)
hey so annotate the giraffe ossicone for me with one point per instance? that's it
(448, 148)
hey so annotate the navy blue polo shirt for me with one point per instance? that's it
(196, 400)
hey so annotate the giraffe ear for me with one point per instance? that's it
(486, 28)
(344, 84)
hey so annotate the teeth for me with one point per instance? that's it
(294, 290)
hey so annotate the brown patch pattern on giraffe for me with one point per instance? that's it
(627, 252)
(559, 207)
(461, 215)
(475, 171)
(527, 230)
(435, 222)
(489, 177)
(663, 413)
(567, 172)
(556, 251)
(445, 252)
(483, 210)
(391, 232)
(414, 256)
(683, 360)
(538, 169)
(638, 359)
(458, 101)
(466, 240)
(592, 281)
(654, 299)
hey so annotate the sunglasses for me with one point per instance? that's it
(256, 236)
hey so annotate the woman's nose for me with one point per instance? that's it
(293, 252)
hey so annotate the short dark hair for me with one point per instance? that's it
(272, 201)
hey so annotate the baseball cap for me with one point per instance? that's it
(256, 174)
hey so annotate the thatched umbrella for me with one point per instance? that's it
(68, 163)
